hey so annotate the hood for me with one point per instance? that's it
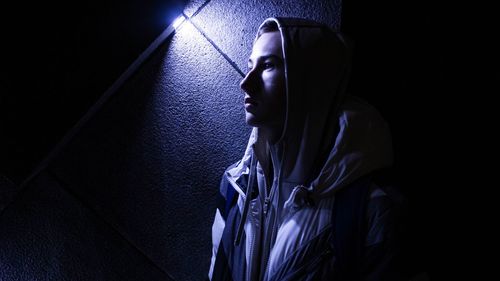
(329, 138)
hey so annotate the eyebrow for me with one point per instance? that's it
(266, 57)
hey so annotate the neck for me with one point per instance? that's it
(269, 151)
(270, 134)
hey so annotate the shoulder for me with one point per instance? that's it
(225, 185)
(227, 194)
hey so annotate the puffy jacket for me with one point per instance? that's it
(366, 246)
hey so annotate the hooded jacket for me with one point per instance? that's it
(330, 141)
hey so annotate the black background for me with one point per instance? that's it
(432, 68)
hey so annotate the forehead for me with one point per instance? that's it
(268, 43)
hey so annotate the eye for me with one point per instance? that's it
(268, 65)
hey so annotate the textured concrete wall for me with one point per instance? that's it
(232, 24)
(49, 234)
(132, 195)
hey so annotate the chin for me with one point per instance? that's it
(251, 120)
(251, 123)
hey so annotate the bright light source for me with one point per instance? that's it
(178, 21)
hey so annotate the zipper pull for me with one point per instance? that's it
(266, 206)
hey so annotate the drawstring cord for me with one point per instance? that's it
(246, 203)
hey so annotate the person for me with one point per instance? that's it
(303, 203)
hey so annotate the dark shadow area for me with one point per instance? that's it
(429, 67)
(398, 68)
(51, 235)
(58, 58)
(7, 192)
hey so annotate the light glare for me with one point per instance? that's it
(178, 21)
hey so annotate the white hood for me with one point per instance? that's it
(329, 139)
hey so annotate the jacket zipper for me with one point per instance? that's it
(271, 232)
(252, 250)
(267, 237)
(252, 244)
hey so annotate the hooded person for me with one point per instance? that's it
(301, 204)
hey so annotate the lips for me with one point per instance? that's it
(250, 101)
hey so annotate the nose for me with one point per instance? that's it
(249, 83)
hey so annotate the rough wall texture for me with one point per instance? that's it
(237, 21)
(132, 195)
(49, 234)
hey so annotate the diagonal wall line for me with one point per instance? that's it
(198, 10)
(103, 219)
(93, 110)
(129, 72)
(226, 57)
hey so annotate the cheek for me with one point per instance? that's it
(273, 82)
(276, 90)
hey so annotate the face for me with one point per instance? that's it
(264, 84)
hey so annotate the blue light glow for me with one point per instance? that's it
(178, 22)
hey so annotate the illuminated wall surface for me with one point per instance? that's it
(132, 195)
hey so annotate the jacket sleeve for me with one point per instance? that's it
(383, 258)
(217, 229)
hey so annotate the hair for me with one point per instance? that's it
(267, 26)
